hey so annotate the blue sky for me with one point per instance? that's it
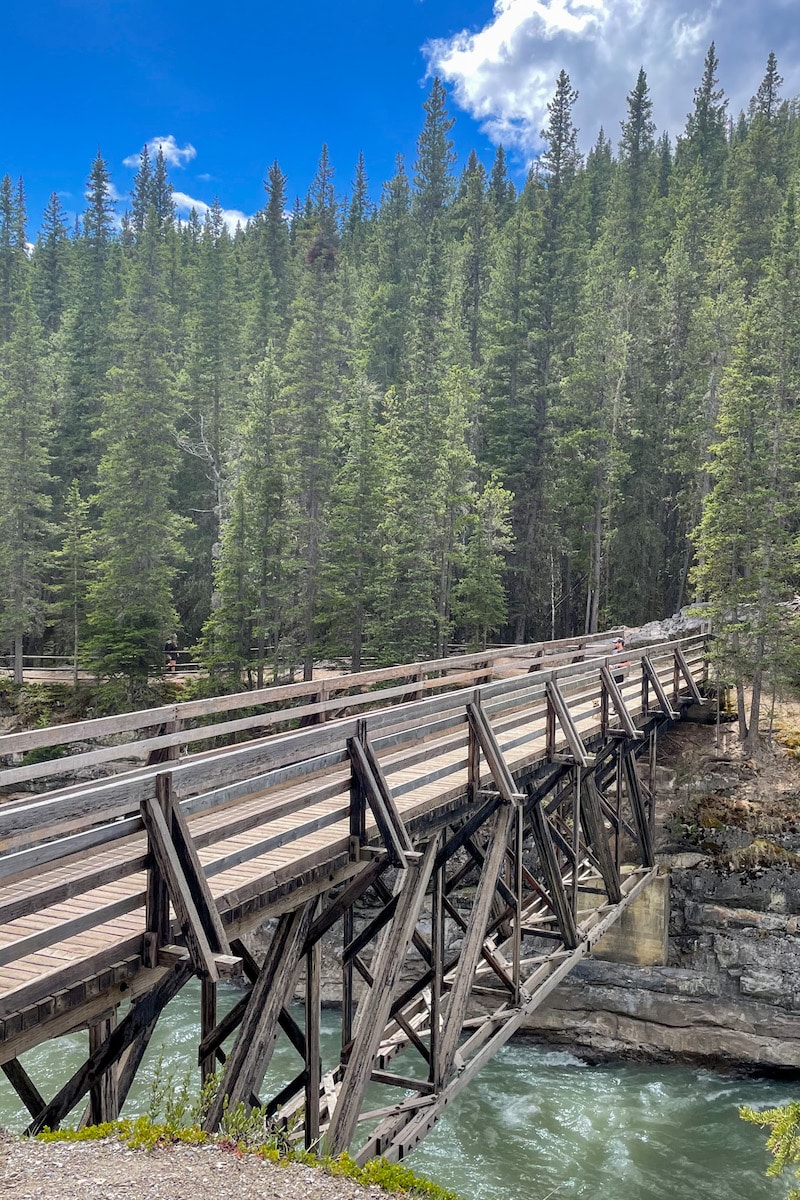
(237, 86)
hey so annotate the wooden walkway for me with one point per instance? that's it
(272, 820)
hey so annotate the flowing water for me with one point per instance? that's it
(533, 1124)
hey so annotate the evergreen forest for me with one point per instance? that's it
(367, 429)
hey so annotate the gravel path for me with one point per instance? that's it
(31, 1170)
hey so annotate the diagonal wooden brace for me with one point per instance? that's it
(658, 688)
(597, 837)
(372, 782)
(376, 1005)
(252, 1050)
(612, 689)
(685, 670)
(482, 732)
(557, 707)
(640, 820)
(175, 857)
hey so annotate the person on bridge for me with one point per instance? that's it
(618, 673)
(171, 652)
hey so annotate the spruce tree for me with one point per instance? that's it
(433, 180)
(25, 501)
(130, 606)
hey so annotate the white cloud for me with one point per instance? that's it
(504, 73)
(184, 205)
(174, 155)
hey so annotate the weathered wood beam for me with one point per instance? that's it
(472, 944)
(485, 735)
(375, 789)
(247, 1063)
(658, 688)
(376, 1005)
(685, 670)
(554, 882)
(597, 837)
(557, 705)
(611, 688)
(139, 1017)
(24, 1086)
(640, 819)
(171, 867)
(103, 1094)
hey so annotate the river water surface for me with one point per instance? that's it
(533, 1124)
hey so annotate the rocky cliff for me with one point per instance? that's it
(729, 992)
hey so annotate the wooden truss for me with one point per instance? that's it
(524, 881)
(542, 867)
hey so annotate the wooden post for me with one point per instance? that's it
(208, 1022)
(438, 953)
(651, 778)
(249, 1058)
(474, 756)
(157, 895)
(374, 1008)
(312, 1044)
(519, 845)
(576, 836)
(358, 802)
(104, 1100)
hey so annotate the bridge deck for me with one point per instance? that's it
(275, 820)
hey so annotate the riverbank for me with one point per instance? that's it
(109, 1170)
(726, 995)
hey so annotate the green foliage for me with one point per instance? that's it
(277, 440)
(784, 1139)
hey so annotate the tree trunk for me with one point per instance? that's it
(752, 743)
(18, 676)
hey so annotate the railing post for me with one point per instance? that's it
(157, 895)
(474, 756)
(358, 802)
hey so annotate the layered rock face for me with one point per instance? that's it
(729, 994)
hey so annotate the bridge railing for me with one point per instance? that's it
(61, 828)
(164, 733)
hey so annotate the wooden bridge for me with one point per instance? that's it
(506, 796)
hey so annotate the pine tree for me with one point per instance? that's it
(130, 607)
(705, 139)
(13, 265)
(747, 558)
(500, 191)
(314, 364)
(352, 541)
(433, 180)
(633, 179)
(51, 275)
(142, 199)
(25, 427)
(70, 573)
(478, 598)
(387, 281)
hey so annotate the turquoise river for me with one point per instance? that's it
(534, 1124)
